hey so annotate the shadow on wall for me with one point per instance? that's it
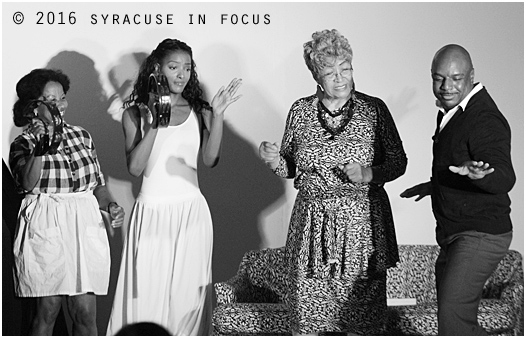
(88, 108)
(238, 189)
(122, 77)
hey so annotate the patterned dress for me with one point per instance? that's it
(341, 237)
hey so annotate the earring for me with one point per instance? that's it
(319, 92)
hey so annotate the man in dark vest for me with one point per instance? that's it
(471, 177)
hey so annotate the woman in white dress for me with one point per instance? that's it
(165, 275)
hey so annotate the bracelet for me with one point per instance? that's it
(109, 204)
(149, 114)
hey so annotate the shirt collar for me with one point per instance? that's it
(464, 102)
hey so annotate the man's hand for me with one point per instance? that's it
(475, 170)
(422, 190)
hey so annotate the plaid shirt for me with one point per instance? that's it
(74, 168)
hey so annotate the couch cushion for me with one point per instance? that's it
(251, 318)
(494, 316)
(240, 290)
(497, 316)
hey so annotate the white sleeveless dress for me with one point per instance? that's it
(166, 268)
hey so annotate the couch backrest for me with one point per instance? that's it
(414, 275)
(265, 268)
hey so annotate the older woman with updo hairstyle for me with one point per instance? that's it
(166, 268)
(61, 248)
(340, 146)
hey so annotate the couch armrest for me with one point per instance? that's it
(507, 284)
(239, 289)
(225, 293)
(507, 281)
(513, 293)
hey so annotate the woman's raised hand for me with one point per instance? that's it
(148, 112)
(38, 128)
(225, 97)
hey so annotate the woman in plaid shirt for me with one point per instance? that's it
(61, 248)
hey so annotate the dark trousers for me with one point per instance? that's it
(465, 262)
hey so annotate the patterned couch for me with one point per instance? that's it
(251, 302)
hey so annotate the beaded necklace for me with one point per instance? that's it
(336, 121)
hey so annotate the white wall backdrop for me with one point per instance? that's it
(393, 45)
